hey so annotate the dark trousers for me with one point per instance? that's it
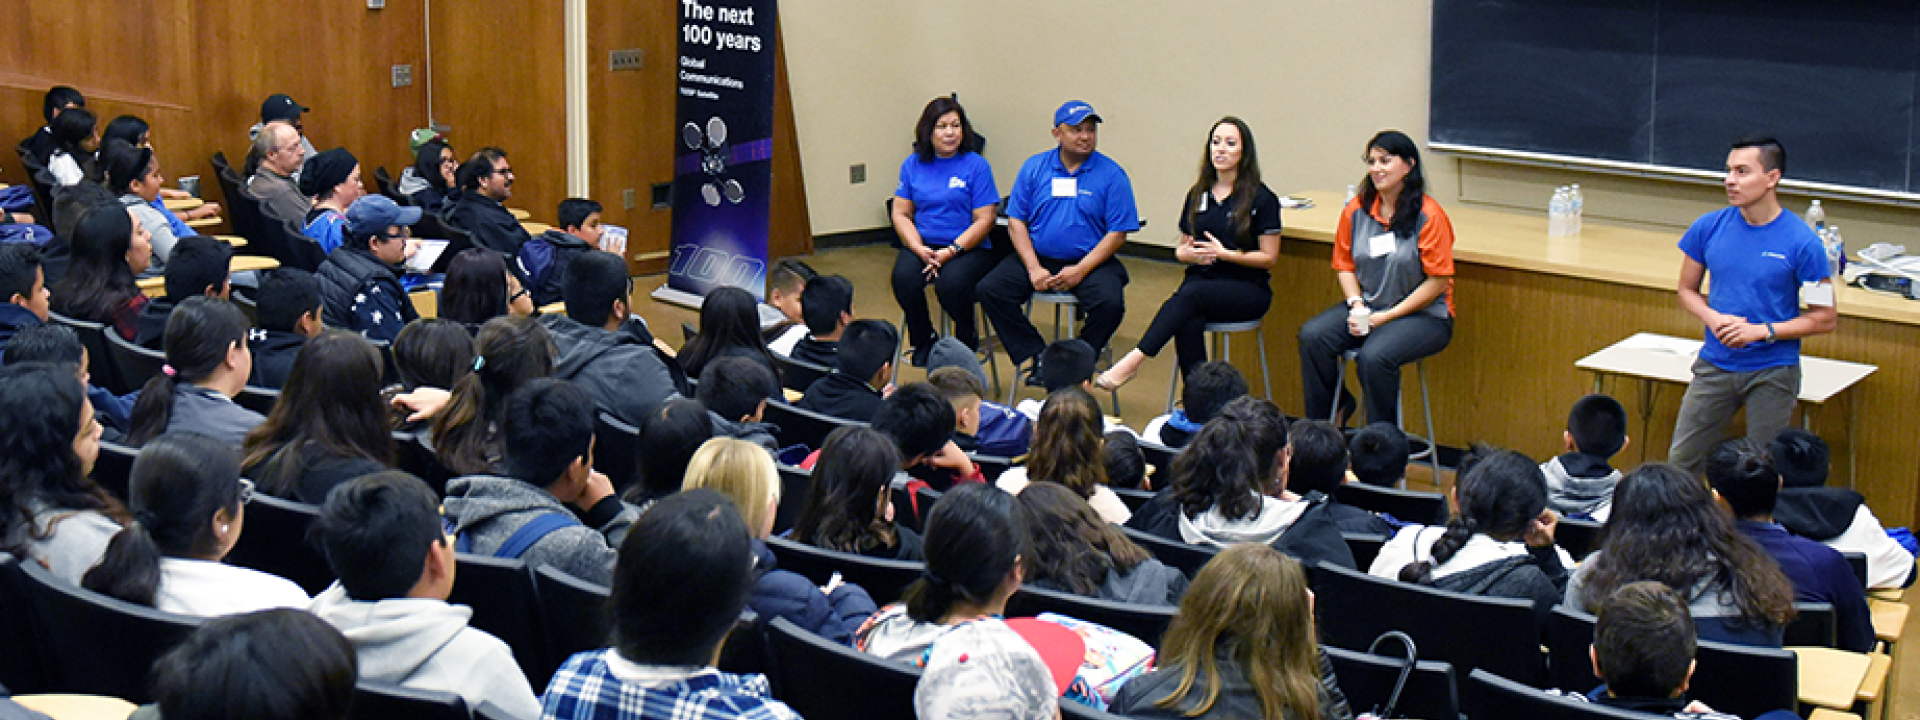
(1382, 352)
(1004, 290)
(959, 278)
(1184, 317)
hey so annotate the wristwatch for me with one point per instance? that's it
(1769, 332)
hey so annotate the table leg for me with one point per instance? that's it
(1853, 443)
(1646, 416)
(1597, 377)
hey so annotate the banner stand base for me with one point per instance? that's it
(678, 297)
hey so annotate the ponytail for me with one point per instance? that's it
(199, 333)
(974, 538)
(929, 598)
(179, 482)
(1498, 496)
(130, 570)
(1459, 530)
(153, 410)
(508, 352)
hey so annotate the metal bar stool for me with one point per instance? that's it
(1060, 301)
(1222, 336)
(987, 342)
(1432, 453)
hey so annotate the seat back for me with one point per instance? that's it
(1405, 505)
(616, 451)
(824, 680)
(379, 701)
(1134, 498)
(802, 427)
(1578, 537)
(275, 541)
(884, 580)
(1160, 457)
(1739, 679)
(23, 663)
(991, 466)
(243, 217)
(1186, 556)
(1364, 546)
(100, 369)
(1071, 710)
(257, 399)
(1355, 608)
(798, 374)
(135, 364)
(795, 484)
(573, 615)
(1857, 562)
(500, 591)
(1814, 625)
(1569, 636)
(98, 645)
(1367, 680)
(383, 180)
(1497, 698)
(414, 452)
(911, 510)
(113, 469)
(745, 649)
(1146, 622)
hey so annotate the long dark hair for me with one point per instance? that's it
(434, 352)
(123, 164)
(1413, 190)
(40, 414)
(1067, 442)
(842, 510)
(1499, 497)
(70, 130)
(199, 333)
(930, 116)
(509, 352)
(1666, 527)
(125, 127)
(728, 319)
(1245, 184)
(98, 281)
(1232, 461)
(426, 164)
(179, 481)
(1072, 546)
(476, 287)
(973, 540)
(330, 407)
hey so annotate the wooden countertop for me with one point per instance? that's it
(1627, 256)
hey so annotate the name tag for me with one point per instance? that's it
(1066, 187)
(1380, 245)
(1818, 294)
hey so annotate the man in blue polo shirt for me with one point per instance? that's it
(1765, 262)
(1069, 211)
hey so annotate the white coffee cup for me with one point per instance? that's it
(1360, 319)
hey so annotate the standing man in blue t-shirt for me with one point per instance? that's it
(1069, 211)
(1765, 262)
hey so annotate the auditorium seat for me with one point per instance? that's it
(795, 484)
(93, 337)
(1354, 608)
(883, 579)
(616, 449)
(274, 541)
(113, 468)
(134, 364)
(1411, 506)
(1189, 558)
(1146, 622)
(1497, 698)
(257, 399)
(99, 645)
(1738, 679)
(1368, 681)
(572, 616)
(802, 427)
(383, 701)
(501, 593)
(824, 680)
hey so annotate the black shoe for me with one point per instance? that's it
(1033, 376)
(921, 352)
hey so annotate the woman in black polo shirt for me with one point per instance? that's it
(1229, 237)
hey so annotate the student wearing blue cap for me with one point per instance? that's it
(360, 281)
(1069, 211)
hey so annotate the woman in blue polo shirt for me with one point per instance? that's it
(1229, 237)
(942, 210)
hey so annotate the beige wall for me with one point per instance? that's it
(1314, 78)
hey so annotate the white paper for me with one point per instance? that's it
(1380, 245)
(1661, 343)
(614, 240)
(1817, 293)
(1066, 187)
(422, 261)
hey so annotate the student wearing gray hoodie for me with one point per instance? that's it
(1581, 481)
(601, 350)
(383, 538)
(552, 507)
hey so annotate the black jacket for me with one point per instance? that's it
(1536, 576)
(273, 354)
(1820, 513)
(351, 274)
(624, 377)
(1314, 537)
(818, 352)
(150, 330)
(490, 224)
(840, 395)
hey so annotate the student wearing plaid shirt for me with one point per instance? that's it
(683, 576)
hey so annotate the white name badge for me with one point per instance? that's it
(1066, 187)
(1380, 245)
(1818, 294)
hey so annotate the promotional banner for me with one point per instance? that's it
(724, 146)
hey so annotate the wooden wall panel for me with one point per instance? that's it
(789, 230)
(498, 69)
(632, 115)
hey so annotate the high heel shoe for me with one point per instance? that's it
(1105, 381)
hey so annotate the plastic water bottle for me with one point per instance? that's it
(1817, 216)
(1836, 248)
(1352, 193)
(1577, 207)
(1557, 211)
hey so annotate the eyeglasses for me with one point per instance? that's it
(503, 171)
(402, 235)
(246, 491)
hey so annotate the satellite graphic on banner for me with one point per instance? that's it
(724, 147)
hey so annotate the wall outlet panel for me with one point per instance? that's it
(620, 60)
(402, 75)
(857, 174)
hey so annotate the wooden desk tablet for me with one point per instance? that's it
(180, 204)
(519, 214)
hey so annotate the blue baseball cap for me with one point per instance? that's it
(1074, 113)
(372, 214)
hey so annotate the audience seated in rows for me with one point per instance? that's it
(509, 353)
(279, 149)
(1319, 465)
(547, 257)
(1229, 486)
(109, 251)
(921, 425)
(1241, 646)
(1208, 388)
(429, 181)
(279, 108)
(1072, 365)
(138, 133)
(1666, 527)
(54, 514)
(329, 424)
(826, 304)
(1126, 464)
(59, 345)
(188, 504)
(133, 175)
(782, 316)
(430, 355)
(382, 536)
(76, 138)
(1498, 542)
(207, 364)
(746, 475)
(288, 312)
(684, 575)
(669, 438)
(1745, 482)
(624, 374)
(1077, 551)
(550, 507)
(360, 281)
(728, 328)
(1838, 517)
(1377, 455)
(980, 426)
(1580, 482)
(864, 362)
(732, 390)
(1066, 450)
(849, 503)
(479, 287)
(268, 665)
(332, 179)
(23, 282)
(200, 268)
(38, 148)
(486, 181)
